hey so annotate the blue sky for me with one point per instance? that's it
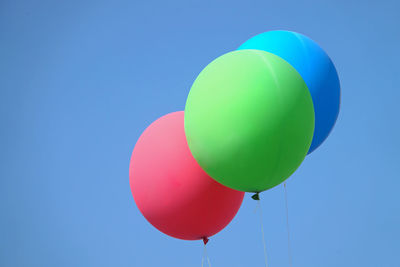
(80, 81)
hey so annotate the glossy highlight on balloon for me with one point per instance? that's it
(171, 190)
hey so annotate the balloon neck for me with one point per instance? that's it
(205, 240)
(256, 196)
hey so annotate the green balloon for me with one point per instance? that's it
(249, 120)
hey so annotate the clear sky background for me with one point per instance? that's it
(80, 81)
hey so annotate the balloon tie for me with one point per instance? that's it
(205, 254)
(257, 197)
(287, 226)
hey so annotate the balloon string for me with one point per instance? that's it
(262, 229)
(205, 256)
(202, 261)
(208, 259)
(287, 226)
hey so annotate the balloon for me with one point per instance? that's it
(317, 70)
(171, 190)
(249, 120)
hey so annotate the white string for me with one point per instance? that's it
(205, 255)
(262, 232)
(208, 259)
(202, 259)
(287, 226)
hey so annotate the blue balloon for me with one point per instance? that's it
(317, 70)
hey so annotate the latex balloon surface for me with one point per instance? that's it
(171, 190)
(315, 67)
(249, 120)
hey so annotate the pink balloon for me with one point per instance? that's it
(171, 190)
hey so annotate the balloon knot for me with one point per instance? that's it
(205, 240)
(256, 196)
